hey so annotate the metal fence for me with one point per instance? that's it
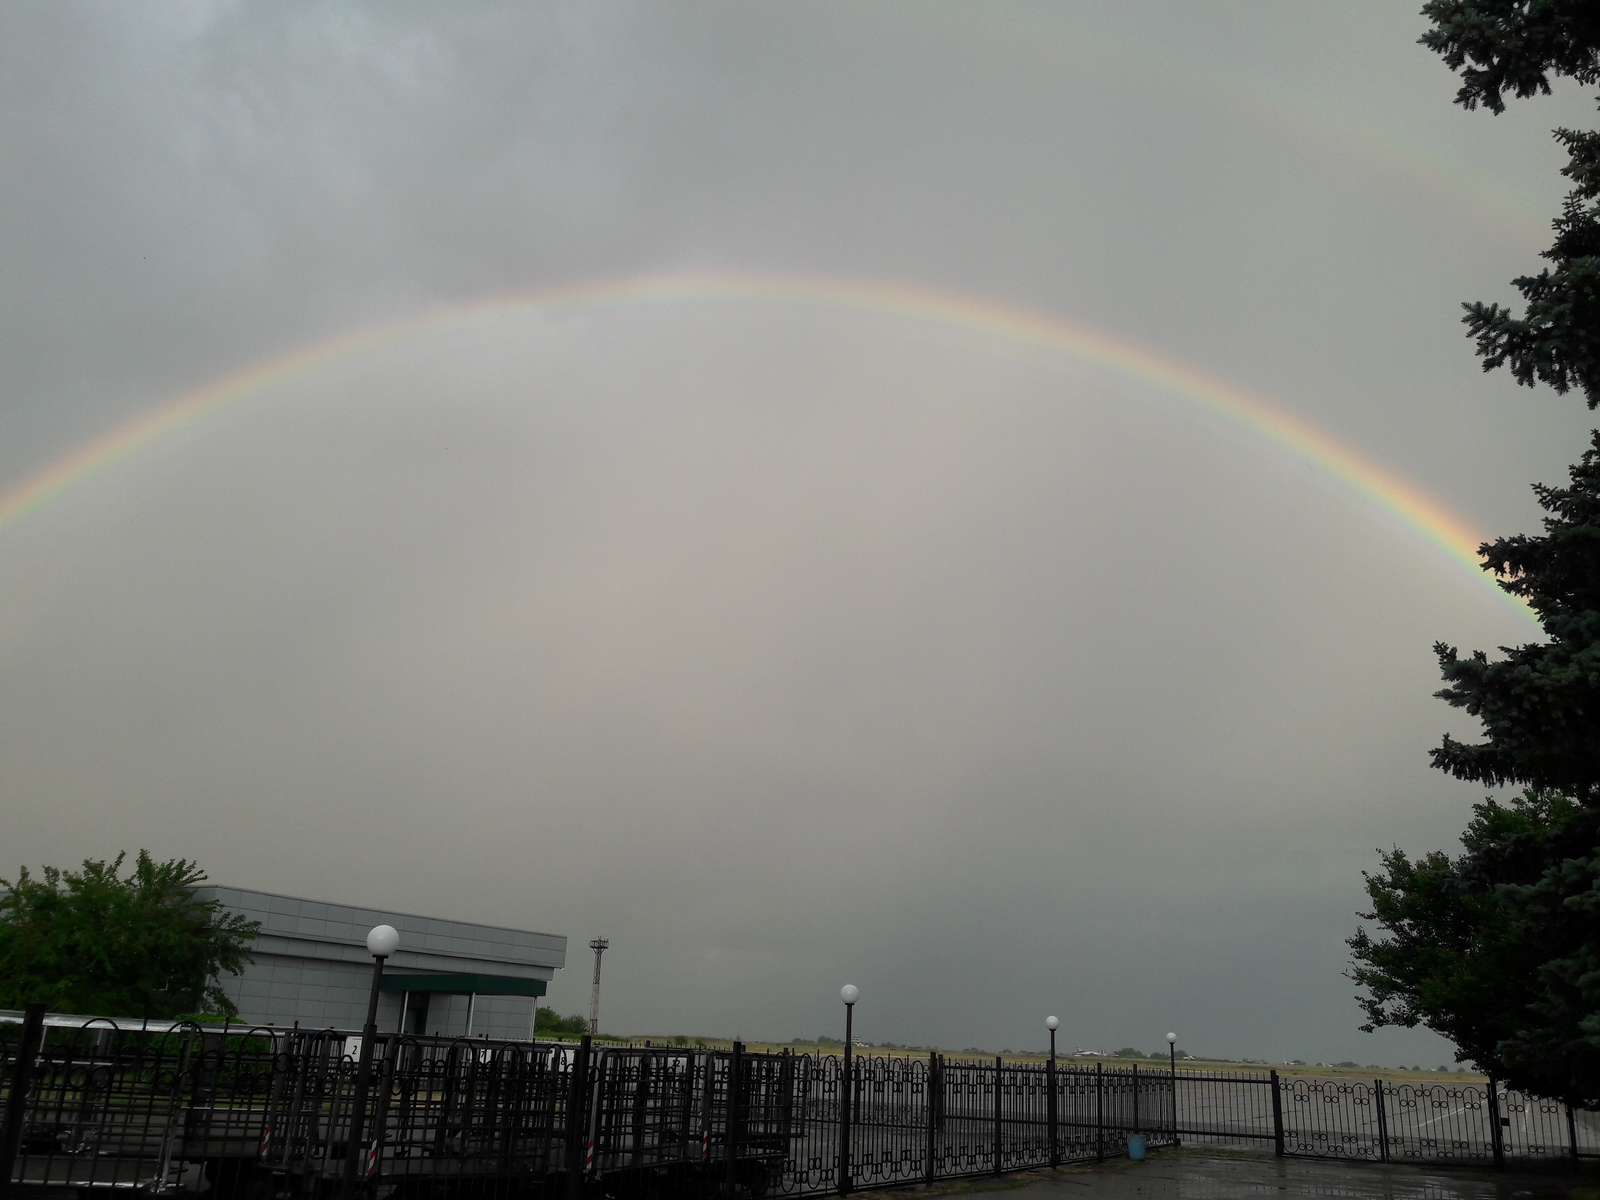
(91, 1105)
(1382, 1120)
(262, 1112)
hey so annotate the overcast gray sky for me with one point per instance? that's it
(784, 644)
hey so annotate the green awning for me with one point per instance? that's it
(482, 985)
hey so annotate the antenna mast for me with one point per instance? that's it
(599, 946)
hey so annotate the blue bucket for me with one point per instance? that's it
(1136, 1145)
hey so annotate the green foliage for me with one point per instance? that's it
(93, 941)
(1128, 1052)
(1514, 46)
(547, 1020)
(1538, 347)
(1499, 949)
(1539, 704)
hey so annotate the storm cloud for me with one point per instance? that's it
(781, 642)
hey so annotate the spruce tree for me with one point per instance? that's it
(1540, 703)
(1499, 949)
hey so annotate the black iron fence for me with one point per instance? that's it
(231, 1111)
(1382, 1120)
(95, 1105)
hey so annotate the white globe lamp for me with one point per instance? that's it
(383, 941)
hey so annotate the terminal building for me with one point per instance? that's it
(449, 978)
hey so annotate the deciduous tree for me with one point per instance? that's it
(95, 941)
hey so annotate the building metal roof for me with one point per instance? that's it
(300, 928)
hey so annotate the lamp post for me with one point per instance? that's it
(382, 941)
(1052, 1024)
(1172, 1059)
(849, 993)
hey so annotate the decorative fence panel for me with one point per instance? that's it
(1331, 1118)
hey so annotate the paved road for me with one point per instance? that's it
(1195, 1175)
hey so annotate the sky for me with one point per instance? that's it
(618, 493)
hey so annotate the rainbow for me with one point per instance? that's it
(1408, 505)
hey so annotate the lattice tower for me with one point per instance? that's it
(599, 946)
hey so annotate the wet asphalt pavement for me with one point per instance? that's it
(1198, 1175)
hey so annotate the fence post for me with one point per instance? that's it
(17, 1100)
(1135, 1097)
(641, 1103)
(1383, 1120)
(735, 1071)
(1053, 1115)
(846, 1097)
(1172, 1049)
(1572, 1137)
(930, 1112)
(786, 1086)
(577, 1092)
(998, 1149)
(1494, 1124)
(1277, 1116)
(1099, 1111)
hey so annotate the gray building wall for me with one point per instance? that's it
(312, 967)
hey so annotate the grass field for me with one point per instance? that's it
(1188, 1064)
